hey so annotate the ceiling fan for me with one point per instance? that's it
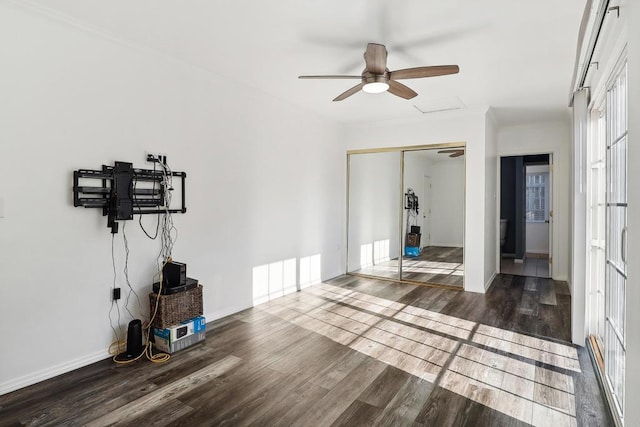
(377, 78)
(455, 152)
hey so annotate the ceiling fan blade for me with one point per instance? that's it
(452, 150)
(401, 90)
(330, 77)
(348, 93)
(376, 58)
(418, 72)
(457, 154)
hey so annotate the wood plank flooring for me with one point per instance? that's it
(435, 265)
(350, 351)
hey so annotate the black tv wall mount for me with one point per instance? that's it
(123, 191)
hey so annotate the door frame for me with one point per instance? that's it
(553, 232)
(402, 150)
(426, 197)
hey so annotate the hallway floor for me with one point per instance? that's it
(534, 265)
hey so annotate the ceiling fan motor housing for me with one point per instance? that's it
(368, 77)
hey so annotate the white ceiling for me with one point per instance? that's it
(515, 56)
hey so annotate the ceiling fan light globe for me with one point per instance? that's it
(375, 87)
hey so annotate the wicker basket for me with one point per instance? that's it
(412, 239)
(176, 308)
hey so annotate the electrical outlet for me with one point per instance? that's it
(154, 156)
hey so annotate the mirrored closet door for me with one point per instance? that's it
(406, 214)
(374, 217)
(433, 228)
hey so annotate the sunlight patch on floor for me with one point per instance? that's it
(481, 361)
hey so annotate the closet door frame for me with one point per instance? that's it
(401, 151)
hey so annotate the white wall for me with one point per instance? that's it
(416, 166)
(447, 202)
(541, 138)
(447, 194)
(578, 237)
(374, 205)
(464, 126)
(491, 210)
(265, 182)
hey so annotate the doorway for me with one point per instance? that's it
(526, 215)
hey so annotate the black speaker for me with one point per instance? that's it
(134, 338)
(174, 274)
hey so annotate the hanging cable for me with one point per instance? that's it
(168, 233)
(126, 274)
(114, 301)
(155, 236)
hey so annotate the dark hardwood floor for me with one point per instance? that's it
(350, 351)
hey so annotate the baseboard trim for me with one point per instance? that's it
(219, 314)
(54, 371)
(62, 368)
(487, 284)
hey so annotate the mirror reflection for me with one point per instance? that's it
(407, 205)
(433, 216)
(374, 217)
